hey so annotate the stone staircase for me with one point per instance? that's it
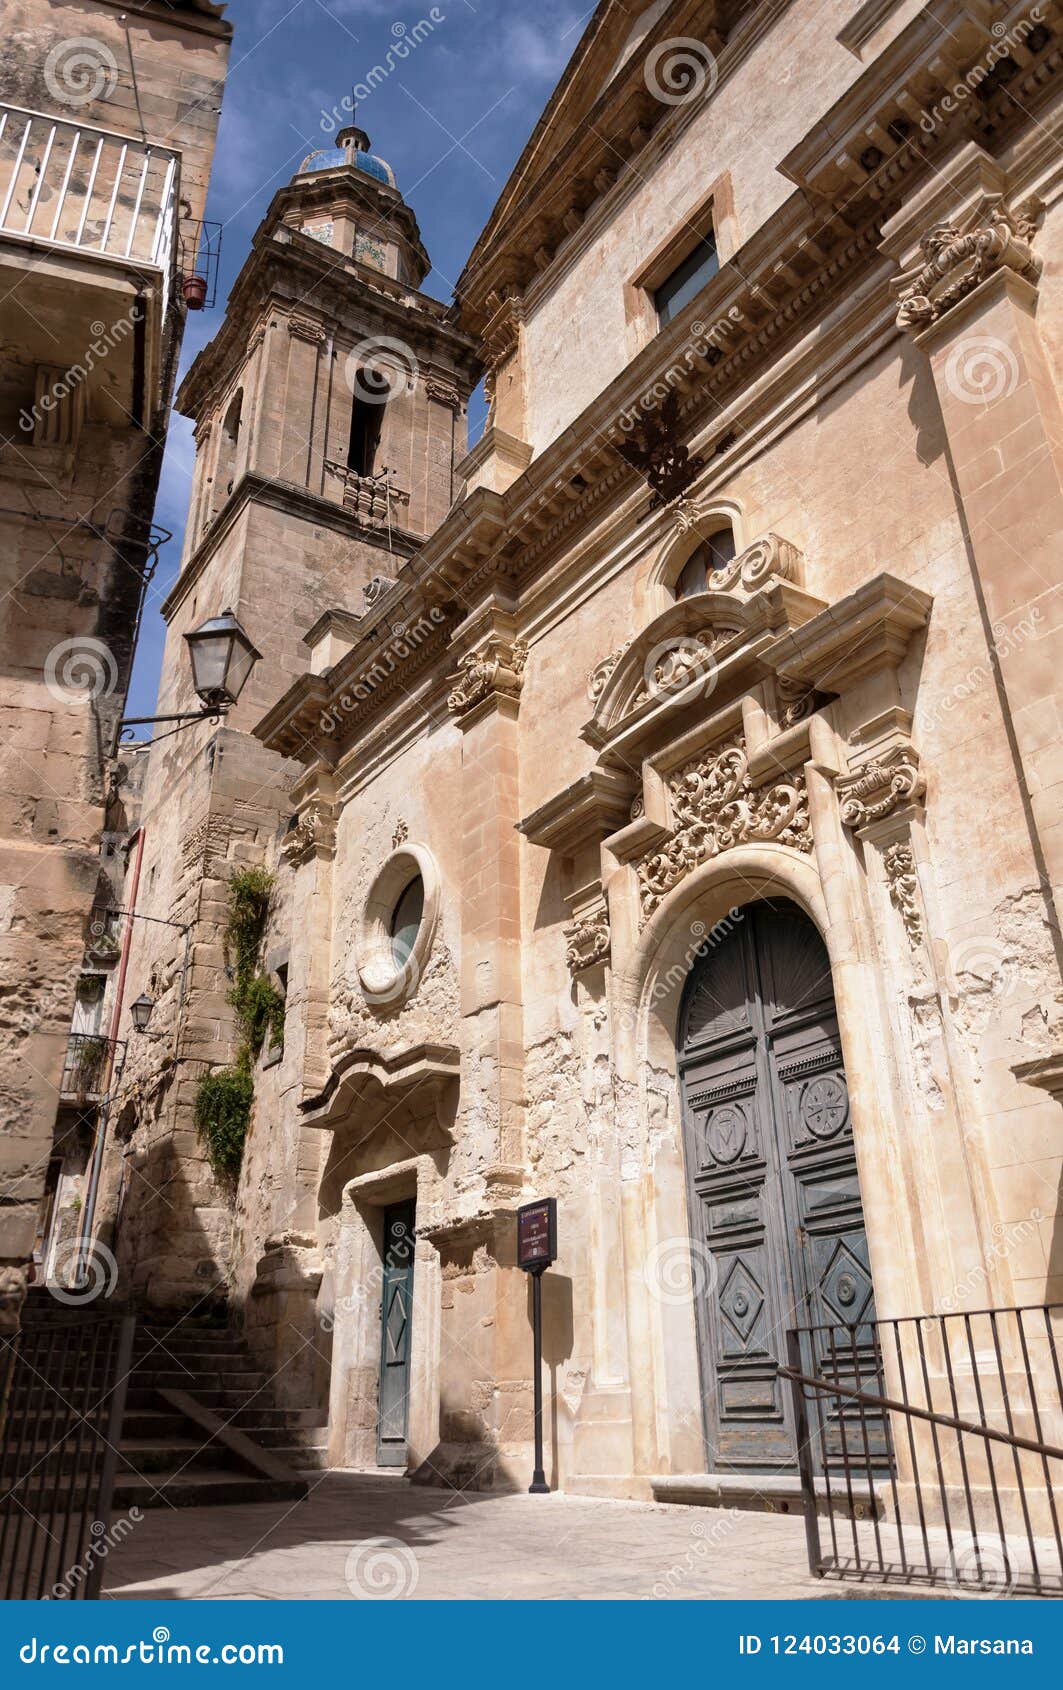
(201, 1423)
(202, 1426)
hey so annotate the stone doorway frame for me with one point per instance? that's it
(353, 1396)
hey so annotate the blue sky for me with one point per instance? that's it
(450, 119)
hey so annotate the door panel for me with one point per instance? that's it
(774, 1192)
(396, 1309)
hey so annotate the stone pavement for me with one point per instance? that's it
(367, 1536)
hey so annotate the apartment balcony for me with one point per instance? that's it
(87, 1067)
(87, 240)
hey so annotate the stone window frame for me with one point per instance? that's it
(714, 211)
(384, 986)
(680, 546)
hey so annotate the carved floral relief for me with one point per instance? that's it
(717, 807)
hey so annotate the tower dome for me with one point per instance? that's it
(352, 148)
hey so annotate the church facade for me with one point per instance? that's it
(659, 799)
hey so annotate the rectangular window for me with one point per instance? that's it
(366, 420)
(687, 279)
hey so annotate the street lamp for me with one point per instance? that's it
(140, 1010)
(222, 657)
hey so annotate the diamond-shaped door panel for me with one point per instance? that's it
(395, 1325)
(741, 1301)
(845, 1286)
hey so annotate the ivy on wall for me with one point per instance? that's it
(224, 1097)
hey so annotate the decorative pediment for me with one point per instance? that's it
(704, 646)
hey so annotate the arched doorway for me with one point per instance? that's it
(776, 1217)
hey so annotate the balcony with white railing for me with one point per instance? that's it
(87, 226)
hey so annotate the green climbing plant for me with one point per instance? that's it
(224, 1097)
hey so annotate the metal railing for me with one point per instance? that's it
(87, 1065)
(89, 190)
(62, 1391)
(933, 1448)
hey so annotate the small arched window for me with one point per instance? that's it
(232, 416)
(713, 554)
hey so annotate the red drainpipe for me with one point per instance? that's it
(119, 992)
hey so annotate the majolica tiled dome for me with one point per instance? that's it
(352, 147)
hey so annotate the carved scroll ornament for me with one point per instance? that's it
(587, 940)
(718, 807)
(880, 786)
(495, 667)
(957, 259)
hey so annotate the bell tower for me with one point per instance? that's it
(329, 413)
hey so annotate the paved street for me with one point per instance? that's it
(369, 1537)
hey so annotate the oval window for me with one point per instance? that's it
(406, 921)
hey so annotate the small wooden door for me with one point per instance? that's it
(396, 1309)
(775, 1208)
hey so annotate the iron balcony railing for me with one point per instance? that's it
(87, 1065)
(88, 190)
(933, 1448)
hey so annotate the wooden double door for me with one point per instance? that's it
(776, 1219)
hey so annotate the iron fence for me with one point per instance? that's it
(62, 1397)
(931, 1449)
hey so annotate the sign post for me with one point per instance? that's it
(536, 1249)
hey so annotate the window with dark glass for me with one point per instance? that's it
(406, 921)
(687, 279)
(712, 555)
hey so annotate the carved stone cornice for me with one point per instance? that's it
(494, 669)
(957, 257)
(312, 835)
(587, 939)
(902, 883)
(590, 809)
(875, 790)
(716, 807)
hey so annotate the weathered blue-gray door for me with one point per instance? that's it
(396, 1308)
(776, 1218)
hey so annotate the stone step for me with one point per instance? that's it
(202, 1487)
(164, 1455)
(153, 1423)
(283, 1438)
(229, 1361)
(224, 1402)
(303, 1458)
(254, 1419)
(200, 1380)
